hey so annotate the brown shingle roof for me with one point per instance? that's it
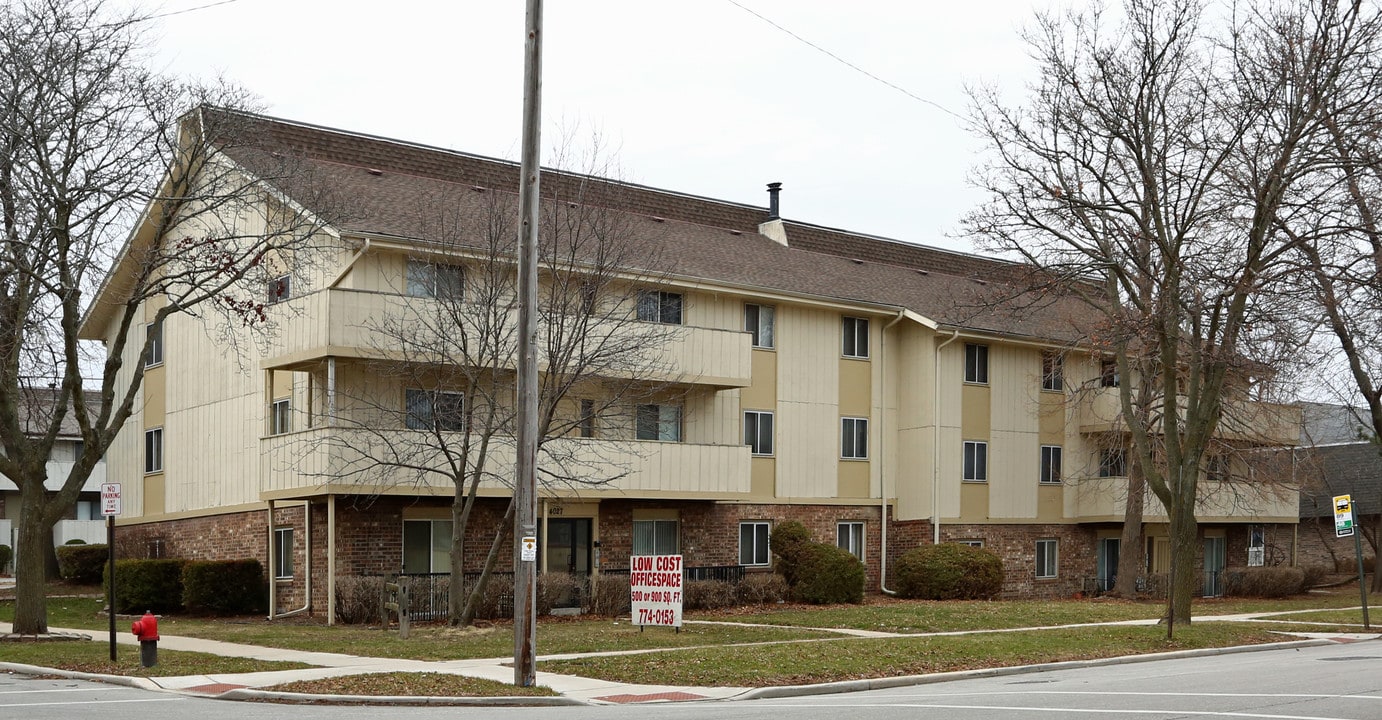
(704, 239)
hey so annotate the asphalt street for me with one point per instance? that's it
(1334, 682)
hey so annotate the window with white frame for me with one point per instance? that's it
(655, 537)
(1113, 462)
(1108, 372)
(1052, 371)
(658, 422)
(753, 542)
(659, 306)
(856, 337)
(1047, 558)
(976, 363)
(970, 542)
(586, 425)
(854, 438)
(283, 553)
(433, 410)
(849, 535)
(153, 333)
(976, 461)
(281, 417)
(1257, 546)
(1050, 464)
(426, 546)
(153, 450)
(758, 431)
(758, 322)
(280, 289)
(434, 280)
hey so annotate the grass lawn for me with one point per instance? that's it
(94, 657)
(412, 684)
(816, 662)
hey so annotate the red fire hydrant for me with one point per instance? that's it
(146, 630)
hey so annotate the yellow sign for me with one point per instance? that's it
(1343, 515)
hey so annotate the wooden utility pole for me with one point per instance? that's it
(525, 484)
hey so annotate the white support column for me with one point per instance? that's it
(331, 392)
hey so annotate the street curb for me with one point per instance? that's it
(910, 680)
(125, 680)
(245, 694)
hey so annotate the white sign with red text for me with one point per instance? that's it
(655, 589)
(110, 499)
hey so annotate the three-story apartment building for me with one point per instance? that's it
(885, 394)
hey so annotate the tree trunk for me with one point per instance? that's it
(455, 604)
(1131, 557)
(35, 542)
(472, 603)
(1184, 534)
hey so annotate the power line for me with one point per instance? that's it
(188, 10)
(847, 63)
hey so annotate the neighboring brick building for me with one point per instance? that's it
(808, 373)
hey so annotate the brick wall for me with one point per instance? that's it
(1318, 545)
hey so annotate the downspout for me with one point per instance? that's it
(882, 460)
(307, 565)
(936, 441)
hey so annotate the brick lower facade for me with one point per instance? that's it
(370, 539)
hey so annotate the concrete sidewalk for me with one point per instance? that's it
(572, 689)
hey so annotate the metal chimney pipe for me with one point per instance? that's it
(773, 189)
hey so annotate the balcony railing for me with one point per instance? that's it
(1104, 499)
(1098, 410)
(346, 323)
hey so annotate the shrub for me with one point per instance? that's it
(496, 601)
(556, 589)
(949, 571)
(358, 598)
(82, 564)
(828, 574)
(6, 554)
(224, 587)
(148, 585)
(1314, 575)
(75, 541)
(787, 540)
(707, 595)
(761, 588)
(608, 596)
(1265, 582)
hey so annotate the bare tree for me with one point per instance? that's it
(450, 338)
(1154, 154)
(93, 146)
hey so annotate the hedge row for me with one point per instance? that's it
(83, 564)
(211, 587)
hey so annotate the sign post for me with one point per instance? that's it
(110, 507)
(655, 590)
(1344, 523)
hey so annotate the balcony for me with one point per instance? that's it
(342, 323)
(91, 532)
(58, 471)
(1261, 423)
(1104, 499)
(327, 457)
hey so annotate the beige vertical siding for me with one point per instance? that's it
(1014, 454)
(808, 393)
(951, 369)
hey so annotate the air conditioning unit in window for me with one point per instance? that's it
(1256, 556)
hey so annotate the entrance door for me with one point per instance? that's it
(568, 550)
(1108, 563)
(1214, 561)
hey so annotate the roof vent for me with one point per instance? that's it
(477, 188)
(375, 171)
(736, 232)
(659, 219)
(923, 272)
(856, 261)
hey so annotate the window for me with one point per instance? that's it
(758, 431)
(976, 363)
(971, 543)
(1108, 372)
(655, 537)
(280, 289)
(153, 450)
(976, 461)
(86, 510)
(753, 543)
(1047, 558)
(759, 321)
(659, 422)
(1257, 546)
(434, 410)
(153, 333)
(659, 306)
(281, 417)
(433, 280)
(854, 438)
(1052, 372)
(1113, 462)
(1216, 468)
(426, 546)
(283, 553)
(590, 298)
(1050, 464)
(587, 422)
(850, 536)
(856, 337)
(78, 449)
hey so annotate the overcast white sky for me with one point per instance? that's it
(700, 97)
